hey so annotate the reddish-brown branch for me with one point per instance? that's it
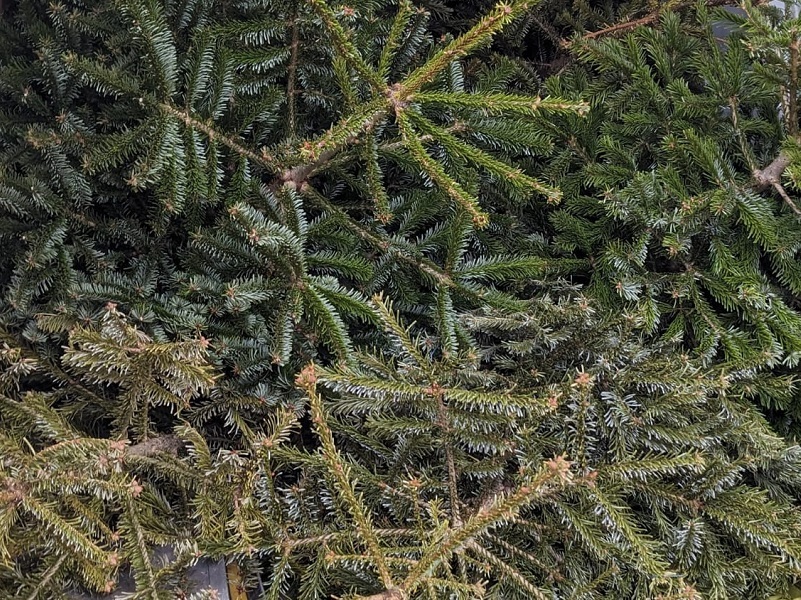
(792, 92)
(652, 17)
(291, 74)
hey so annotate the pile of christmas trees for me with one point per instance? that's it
(392, 300)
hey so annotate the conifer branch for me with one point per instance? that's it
(556, 471)
(292, 74)
(138, 547)
(393, 594)
(337, 468)
(515, 177)
(298, 176)
(503, 567)
(443, 421)
(772, 173)
(481, 33)
(345, 46)
(771, 176)
(791, 118)
(55, 370)
(374, 179)
(385, 244)
(437, 174)
(648, 19)
(51, 572)
(264, 159)
(393, 325)
(399, 24)
(501, 103)
(786, 197)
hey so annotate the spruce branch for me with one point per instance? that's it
(63, 529)
(265, 159)
(444, 424)
(791, 118)
(501, 566)
(345, 46)
(501, 103)
(361, 120)
(554, 472)
(480, 34)
(385, 244)
(138, 550)
(399, 24)
(307, 381)
(771, 176)
(515, 177)
(649, 19)
(437, 173)
(393, 594)
(51, 572)
(297, 176)
(374, 179)
(786, 197)
(393, 326)
(54, 370)
(292, 74)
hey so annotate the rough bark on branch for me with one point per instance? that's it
(168, 444)
(772, 173)
(771, 176)
(393, 594)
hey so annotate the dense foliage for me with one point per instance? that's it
(665, 192)
(374, 312)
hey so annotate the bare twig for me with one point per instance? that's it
(786, 197)
(45, 581)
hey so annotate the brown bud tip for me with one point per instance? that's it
(307, 378)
